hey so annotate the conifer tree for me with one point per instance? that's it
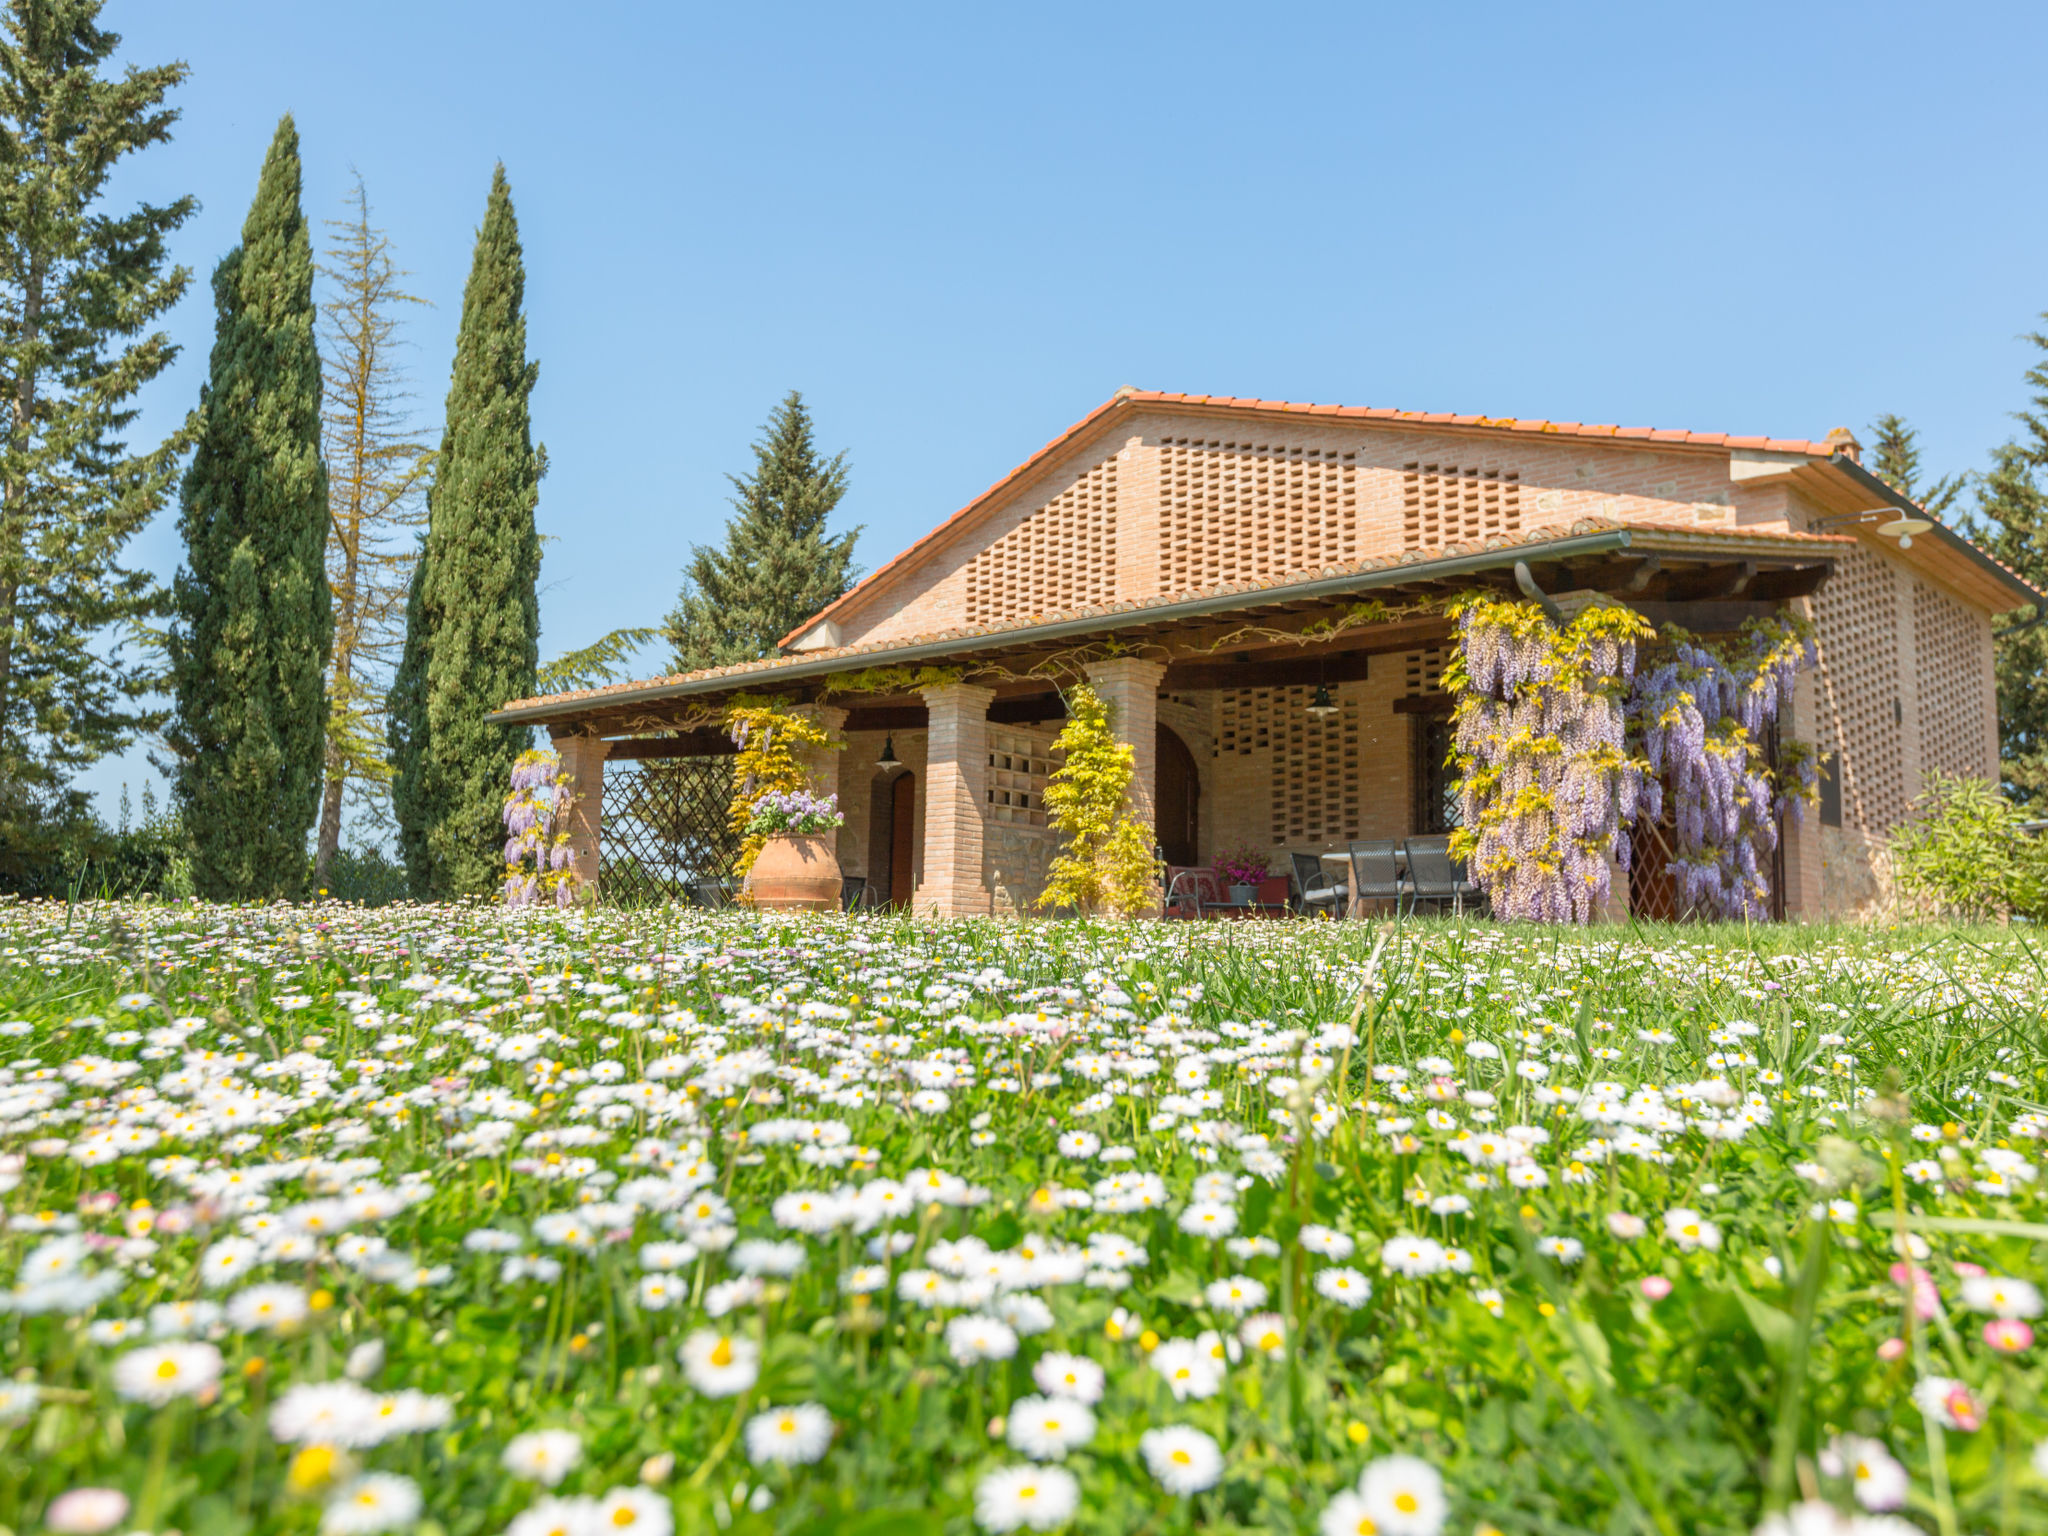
(82, 287)
(778, 566)
(472, 627)
(1895, 459)
(2012, 503)
(250, 644)
(376, 474)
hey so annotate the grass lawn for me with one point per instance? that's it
(457, 1221)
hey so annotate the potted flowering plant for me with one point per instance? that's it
(1241, 870)
(797, 869)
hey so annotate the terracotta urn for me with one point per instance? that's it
(794, 873)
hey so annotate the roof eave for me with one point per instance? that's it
(2024, 593)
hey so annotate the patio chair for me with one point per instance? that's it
(1376, 873)
(1319, 893)
(1187, 888)
(1433, 875)
(709, 894)
(853, 892)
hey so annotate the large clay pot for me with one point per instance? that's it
(794, 874)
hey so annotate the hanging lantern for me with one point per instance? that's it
(1321, 705)
(888, 759)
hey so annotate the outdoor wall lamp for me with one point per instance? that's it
(1320, 704)
(888, 759)
(1899, 523)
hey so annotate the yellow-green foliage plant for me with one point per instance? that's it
(1105, 862)
(769, 736)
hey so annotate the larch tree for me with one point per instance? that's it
(376, 474)
(472, 628)
(254, 624)
(778, 565)
(1895, 459)
(82, 287)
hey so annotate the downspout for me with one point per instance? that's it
(2040, 616)
(1542, 599)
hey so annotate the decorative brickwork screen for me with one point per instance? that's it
(665, 828)
(1061, 557)
(1249, 511)
(1953, 650)
(1424, 670)
(1857, 616)
(1017, 769)
(1443, 504)
(1315, 786)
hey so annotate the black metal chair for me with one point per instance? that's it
(1318, 892)
(853, 892)
(710, 894)
(1433, 875)
(1376, 873)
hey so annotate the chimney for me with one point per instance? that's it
(1843, 441)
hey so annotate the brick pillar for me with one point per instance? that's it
(1131, 689)
(1805, 891)
(821, 764)
(583, 763)
(955, 800)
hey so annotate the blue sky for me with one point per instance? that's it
(959, 228)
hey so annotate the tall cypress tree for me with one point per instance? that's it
(778, 566)
(82, 287)
(472, 623)
(250, 646)
(2012, 501)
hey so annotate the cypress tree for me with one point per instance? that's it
(472, 622)
(250, 645)
(2012, 502)
(1895, 459)
(778, 566)
(83, 283)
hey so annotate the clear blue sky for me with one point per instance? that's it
(959, 228)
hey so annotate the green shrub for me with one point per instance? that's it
(366, 875)
(1966, 854)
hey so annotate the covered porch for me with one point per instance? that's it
(1286, 718)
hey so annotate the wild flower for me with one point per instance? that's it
(159, 1373)
(794, 1436)
(720, 1364)
(1020, 1498)
(1184, 1459)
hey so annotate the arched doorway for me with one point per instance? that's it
(892, 818)
(1177, 799)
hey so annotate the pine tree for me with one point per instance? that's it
(375, 476)
(1895, 459)
(778, 566)
(472, 626)
(81, 286)
(254, 626)
(2012, 504)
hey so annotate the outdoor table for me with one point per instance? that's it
(1357, 907)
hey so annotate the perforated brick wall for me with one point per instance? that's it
(1444, 504)
(1312, 788)
(1953, 647)
(1241, 511)
(1423, 671)
(1018, 764)
(1061, 557)
(1856, 616)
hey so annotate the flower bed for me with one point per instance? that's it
(469, 1220)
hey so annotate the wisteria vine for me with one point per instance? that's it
(1562, 748)
(1548, 786)
(539, 864)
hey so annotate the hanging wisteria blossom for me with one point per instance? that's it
(539, 865)
(1548, 785)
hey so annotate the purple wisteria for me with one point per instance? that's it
(1704, 714)
(538, 860)
(1548, 786)
(797, 812)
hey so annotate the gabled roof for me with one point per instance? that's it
(1127, 400)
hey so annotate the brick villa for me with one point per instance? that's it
(1203, 561)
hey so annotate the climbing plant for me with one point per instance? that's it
(539, 866)
(770, 736)
(1704, 711)
(1105, 862)
(1548, 785)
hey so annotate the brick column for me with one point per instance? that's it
(1131, 689)
(1805, 890)
(583, 762)
(955, 800)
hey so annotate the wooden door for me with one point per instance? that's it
(1178, 799)
(902, 816)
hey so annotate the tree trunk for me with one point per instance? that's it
(329, 841)
(13, 517)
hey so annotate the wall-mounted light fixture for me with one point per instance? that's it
(1899, 523)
